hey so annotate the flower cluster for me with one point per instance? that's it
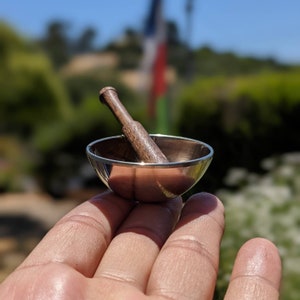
(266, 206)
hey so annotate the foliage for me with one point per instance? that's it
(128, 48)
(60, 46)
(89, 112)
(238, 116)
(266, 206)
(208, 62)
(31, 94)
(54, 118)
(56, 43)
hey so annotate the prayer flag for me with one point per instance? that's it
(155, 63)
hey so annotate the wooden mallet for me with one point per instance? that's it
(136, 134)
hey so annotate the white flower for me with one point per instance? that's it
(267, 206)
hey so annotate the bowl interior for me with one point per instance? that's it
(176, 149)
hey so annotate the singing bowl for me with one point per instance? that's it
(119, 168)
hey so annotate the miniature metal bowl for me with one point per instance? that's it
(119, 168)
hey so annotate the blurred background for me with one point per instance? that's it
(227, 73)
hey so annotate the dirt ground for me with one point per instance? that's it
(24, 220)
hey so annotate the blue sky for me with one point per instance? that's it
(263, 28)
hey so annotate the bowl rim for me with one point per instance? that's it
(142, 164)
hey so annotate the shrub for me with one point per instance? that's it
(244, 118)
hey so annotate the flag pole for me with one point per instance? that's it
(189, 66)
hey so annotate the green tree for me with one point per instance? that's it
(56, 43)
(128, 47)
(31, 97)
(31, 93)
(209, 62)
(85, 41)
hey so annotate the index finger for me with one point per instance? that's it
(81, 237)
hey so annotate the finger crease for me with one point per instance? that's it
(42, 265)
(118, 278)
(256, 277)
(168, 294)
(191, 244)
(78, 221)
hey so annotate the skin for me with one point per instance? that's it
(110, 248)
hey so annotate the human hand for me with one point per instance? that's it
(110, 248)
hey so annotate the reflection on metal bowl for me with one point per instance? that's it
(119, 168)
